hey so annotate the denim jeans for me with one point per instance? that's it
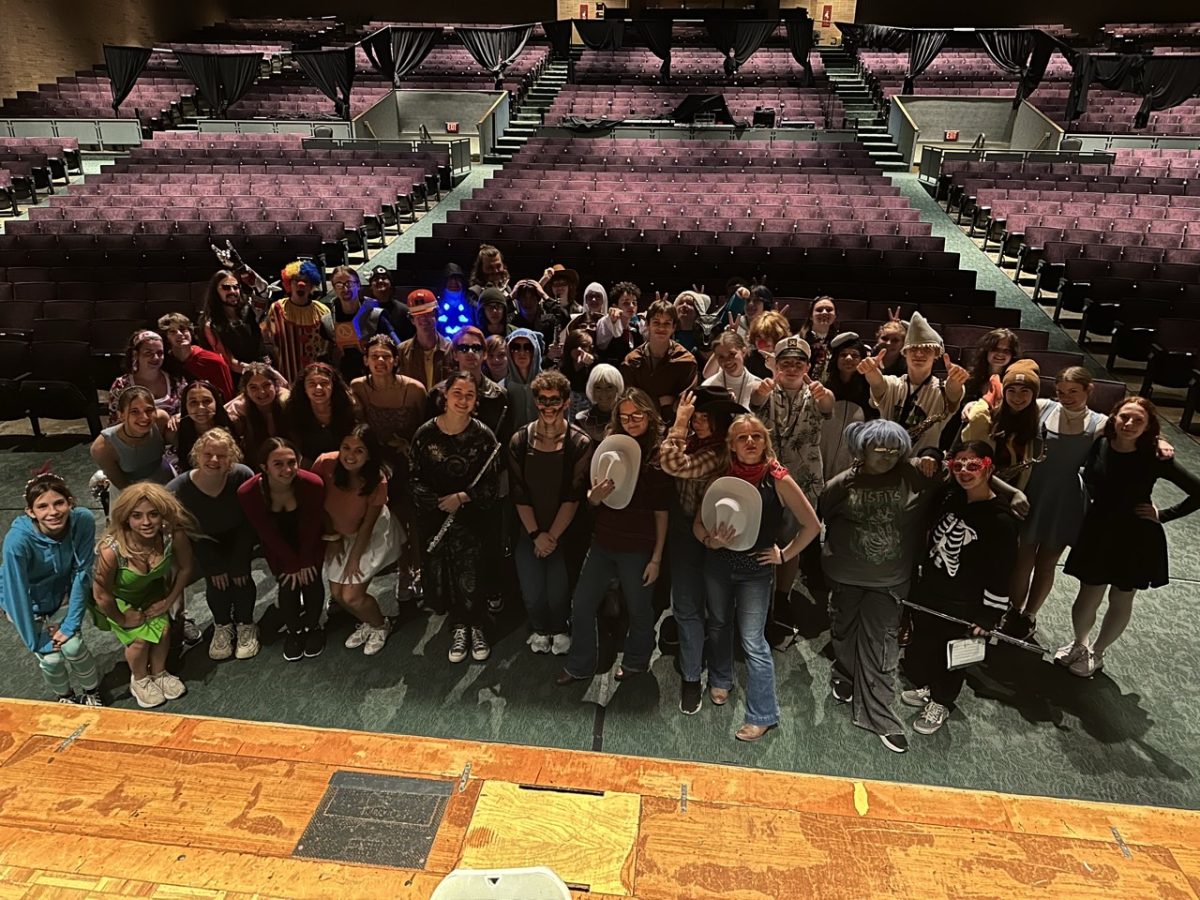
(744, 596)
(686, 556)
(543, 587)
(601, 566)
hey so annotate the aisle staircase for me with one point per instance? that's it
(868, 121)
(528, 118)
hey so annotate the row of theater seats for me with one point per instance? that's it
(791, 104)
(696, 67)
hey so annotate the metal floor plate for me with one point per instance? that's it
(379, 820)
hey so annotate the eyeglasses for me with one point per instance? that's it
(887, 451)
(231, 287)
(469, 348)
(548, 399)
(970, 466)
(521, 348)
(341, 283)
(631, 418)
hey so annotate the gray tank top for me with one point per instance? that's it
(143, 462)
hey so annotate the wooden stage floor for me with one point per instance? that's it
(104, 803)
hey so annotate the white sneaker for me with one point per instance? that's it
(561, 645)
(172, 688)
(458, 645)
(933, 718)
(539, 643)
(358, 636)
(146, 692)
(1069, 654)
(221, 645)
(1086, 664)
(247, 641)
(917, 697)
(376, 638)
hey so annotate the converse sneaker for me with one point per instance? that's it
(314, 642)
(247, 641)
(192, 635)
(539, 643)
(69, 699)
(1069, 654)
(690, 697)
(293, 646)
(933, 718)
(376, 638)
(146, 692)
(560, 644)
(358, 636)
(897, 743)
(221, 645)
(917, 697)
(91, 698)
(458, 644)
(479, 645)
(843, 691)
(172, 688)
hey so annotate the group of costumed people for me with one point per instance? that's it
(603, 448)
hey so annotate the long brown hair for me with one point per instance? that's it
(1149, 438)
(643, 403)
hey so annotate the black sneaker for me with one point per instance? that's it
(293, 646)
(1018, 625)
(843, 691)
(897, 743)
(690, 697)
(314, 642)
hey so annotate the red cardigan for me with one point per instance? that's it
(211, 367)
(282, 558)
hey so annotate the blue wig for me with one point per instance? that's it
(306, 269)
(862, 437)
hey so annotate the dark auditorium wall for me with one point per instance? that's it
(937, 13)
(44, 39)
(490, 11)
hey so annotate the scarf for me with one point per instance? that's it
(754, 473)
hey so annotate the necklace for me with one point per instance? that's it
(737, 395)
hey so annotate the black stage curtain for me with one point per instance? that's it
(558, 32)
(738, 39)
(799, 38)
(333, 72)
(1167, 81)
(1024, 52)
(923, 48)
(657, 35)
(396, 50)
(222, 78)
(1118, 71)
(495, 48)
(601, 34)
(699, 104)
(124, 65)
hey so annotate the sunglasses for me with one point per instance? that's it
(469, 348)
(231, 287)
(630, 418)
(970, 466)
(548, 399)
(521, 348)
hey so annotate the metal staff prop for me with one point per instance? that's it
(993, 636)
(441, 532)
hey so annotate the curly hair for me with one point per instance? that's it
(215, 435)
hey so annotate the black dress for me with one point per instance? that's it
(1117, 546)
(445, 464)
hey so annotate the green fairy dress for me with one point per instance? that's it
(139, 590)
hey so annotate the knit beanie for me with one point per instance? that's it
(920, 334)
(1024, 372)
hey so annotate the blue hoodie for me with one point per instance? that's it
(40, 572)
(520, 396)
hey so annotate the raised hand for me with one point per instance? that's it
(760, 394)
(894, 314)
(955, 374)
(661, 296)
(872, 364)
(685, 408)
(995, 392)
(784, 311)
(817, 390)
(614, 314)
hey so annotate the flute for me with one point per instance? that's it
(441, 532)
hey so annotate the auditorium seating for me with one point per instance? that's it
(791, 104)
(811, 216)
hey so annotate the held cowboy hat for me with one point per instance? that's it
(618, 457)
(736, 502)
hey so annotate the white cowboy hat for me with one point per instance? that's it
(618, 457)
(736, 502)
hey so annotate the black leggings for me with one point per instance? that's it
(233, 604)
(301, 606)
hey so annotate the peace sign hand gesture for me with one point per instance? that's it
(894, 314)
(661, 297)
(684, 409)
